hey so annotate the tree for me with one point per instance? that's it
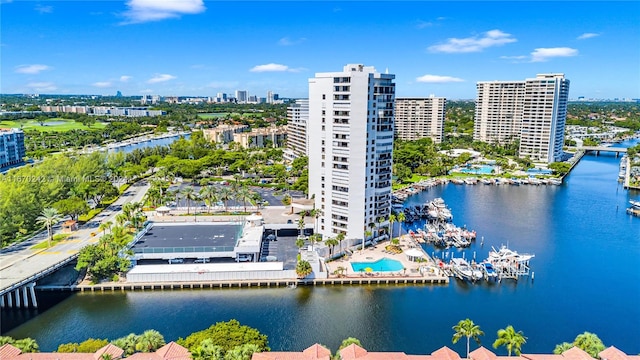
(210, 195)
(340, 237)
(242, 352)
(348, 341)
(189, 195)
(401, 219)
(303, 268)
(227, 335)
(88, 346)
(331, 242)
(467, 328)
(27, 345)
(560, 348)
(226, 194)
(590, 343)
(49, 217)
(244, 194)
(207, 351)
(560, 168)
(73, 206)
(510, 339)
(300, 242)
(127, 343)
(316, 213)
(301, 224)
(392, 219)
(150, 341)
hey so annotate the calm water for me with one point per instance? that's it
(587, 278)
(149, 143)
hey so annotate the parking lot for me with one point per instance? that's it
(283, 248)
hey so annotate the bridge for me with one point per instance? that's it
(21, 265)
(599, 149)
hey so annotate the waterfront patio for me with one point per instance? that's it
(342, 266)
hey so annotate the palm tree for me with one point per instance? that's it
(339, 238)
(149, 341)
(392, 219)
(27, 345)
(189, 194)
(316, 213)
(401, 219)
(244, 194)
(379, 222)
(210, 196)
(49, 217)
(590, 343)
(560, 348)
(226, 194)
(331, 242)
(301, 224)
(103, 227)
(127, 343)
(367, 234)
(510, 339)
(466, 328)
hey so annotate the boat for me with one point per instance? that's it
(635, 204)
(504, 254)
(489, 272)
(463, 270)
(554, 181)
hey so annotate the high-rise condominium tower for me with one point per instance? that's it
(350, 149)
(532, 111)
(417, 118)
(297, 135)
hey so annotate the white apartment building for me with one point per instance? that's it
(297, 136)
(498, 113)
(242, 96)
(350, 131)
(544, 117)
(532, 111)
(417, 118)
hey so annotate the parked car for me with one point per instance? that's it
(202, 260)
(176, 261)
(244, 258)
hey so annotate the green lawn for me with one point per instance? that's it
(45, 244)
(51, 125)
(213, 115)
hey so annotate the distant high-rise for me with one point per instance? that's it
(350, 149)
(532, 111)
(269, 97)
(118, 93)
(417, 118)
(241, 96)
(12, 151)
(297, 135)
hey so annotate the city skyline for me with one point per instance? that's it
(191, 47)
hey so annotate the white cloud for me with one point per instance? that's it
(125, 78)
(515, 57)
(475, 43)
(102, 84)
(42, 86)
(437, 79)
(587, 36)
(43, 9)
(141, 11)
(421, 24)
(274, 68)
(544, 54)
(31, 69)
(160, 78)
(286, 41)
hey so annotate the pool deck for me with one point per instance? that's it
(377, 252)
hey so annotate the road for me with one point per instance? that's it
(20, 261)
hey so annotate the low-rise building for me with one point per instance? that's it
(273, 136)
(223, 133)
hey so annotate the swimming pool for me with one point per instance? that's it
(383, 264)
(484, 169)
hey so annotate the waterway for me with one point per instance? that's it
(163, 141)
(587, 278)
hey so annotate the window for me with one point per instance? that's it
(324, 97)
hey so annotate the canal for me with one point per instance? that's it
(587, 278)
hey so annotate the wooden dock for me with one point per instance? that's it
(432, 280)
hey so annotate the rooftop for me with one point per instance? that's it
(164, 235)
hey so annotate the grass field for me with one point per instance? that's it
(212, 115)
(51, 125)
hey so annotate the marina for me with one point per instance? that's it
(563, 226)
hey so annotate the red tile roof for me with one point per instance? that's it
(109, 349)
(444, 353)
(173, 351)
(8, 351)
(576, 354)
(482, 353)
(612, 353)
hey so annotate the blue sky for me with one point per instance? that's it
(191, 47)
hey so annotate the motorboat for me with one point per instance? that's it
(489, 271)
(506, 254)
(463, 270)
(635, 204)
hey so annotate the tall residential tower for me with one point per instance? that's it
(350, 131)
(297, 135)
(417, 118)
(532, 111)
